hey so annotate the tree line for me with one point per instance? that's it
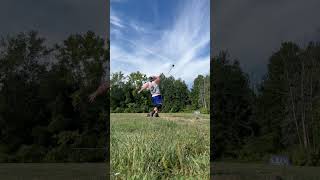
(281, 117)
(176, 95)
(45, 115)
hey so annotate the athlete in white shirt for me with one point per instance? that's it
(153, 86)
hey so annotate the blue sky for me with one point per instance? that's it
(151, 35)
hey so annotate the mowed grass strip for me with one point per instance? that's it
(253, 171)
(53, 171)
(174, 146)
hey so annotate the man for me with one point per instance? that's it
(104, 85)
(153, 86)
(101, 89)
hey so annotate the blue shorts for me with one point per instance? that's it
(157, 100)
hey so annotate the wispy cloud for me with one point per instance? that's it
(114, 20)
(142, 46)
(117, 1)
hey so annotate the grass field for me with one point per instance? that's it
(244, 171)
(174, 146)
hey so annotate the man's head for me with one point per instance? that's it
(151, 78)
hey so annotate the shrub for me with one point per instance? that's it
(30, 153)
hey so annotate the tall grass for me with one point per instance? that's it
(171, 147)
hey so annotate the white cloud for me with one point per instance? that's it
(116, 21)
(180, 44)
(137, 28)
(117, 1)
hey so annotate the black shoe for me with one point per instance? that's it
(150, 114)
(155, 115)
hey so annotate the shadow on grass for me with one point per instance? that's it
(53, 171)
(247, 171)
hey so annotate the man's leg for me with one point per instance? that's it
(158, 102)
(156, 112)
(150, 114)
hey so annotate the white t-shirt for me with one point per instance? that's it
(154, 88)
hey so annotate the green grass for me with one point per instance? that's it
(174, 146)
(246, 171)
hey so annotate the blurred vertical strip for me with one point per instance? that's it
(211, 88)
(108, 82)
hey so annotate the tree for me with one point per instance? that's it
(22, 68)
(287, 99)
(43, 98)
(200, 93)
(231, 106)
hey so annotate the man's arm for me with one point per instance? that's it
(104, 86)
(157, 79)
(143, 87)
